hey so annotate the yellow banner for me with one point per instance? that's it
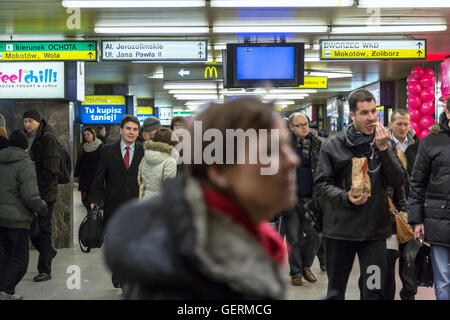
(104, 100)
(47, 55)
(373, 54)
(144, 110)
(315, 83)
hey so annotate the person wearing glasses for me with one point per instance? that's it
(302, 238)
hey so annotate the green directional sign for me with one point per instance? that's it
(48, 51)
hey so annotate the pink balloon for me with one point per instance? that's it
(414, 101)
(418, 71)
(413, 88)
(427, 108)
(415, 126)
(427, 94)
(415, 115)
(428, 80)
(412, 77)
(422, 134)
(426, 122)
(428, 71)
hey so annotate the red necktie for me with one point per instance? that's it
(126, 158)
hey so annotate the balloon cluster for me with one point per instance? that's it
(420, 102)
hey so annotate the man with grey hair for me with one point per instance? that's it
(302, 238)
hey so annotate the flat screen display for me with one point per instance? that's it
(265, 63)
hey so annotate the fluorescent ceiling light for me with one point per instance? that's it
(312, 59)
(404, 4)
(270, 29)
(198, 97)
(187, 85)
(389, 29)
(295, 91)
(332, 75)
(285, 102)
(133, 4)
(193, 91)
(281, 3)
(151, 30)
(285, 96)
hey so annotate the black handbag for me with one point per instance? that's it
(90, 233)
(424, 268)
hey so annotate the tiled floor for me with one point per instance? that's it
(95, 279)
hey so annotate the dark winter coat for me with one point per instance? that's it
(44, 152)
(113, 183)
(342, 220)
(172, 247)
(19, 195)
(429, 195)
(86, 168)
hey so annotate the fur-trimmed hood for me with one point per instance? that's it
(442, 126)
(157, 152)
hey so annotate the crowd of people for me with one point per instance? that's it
(201, 230)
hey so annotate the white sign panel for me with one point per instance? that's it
(165, 115)
(80, 81)
(155, 50)
(32, 80)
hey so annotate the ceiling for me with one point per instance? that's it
(49, 20)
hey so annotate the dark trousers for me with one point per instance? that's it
(14, 257)
(302, 238)
(340, 255)
(321, 252)
(409, 287)
(390, 280)
(43, 242)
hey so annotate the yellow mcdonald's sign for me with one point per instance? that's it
(211, 70)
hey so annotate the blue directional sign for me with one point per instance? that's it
(103, 109)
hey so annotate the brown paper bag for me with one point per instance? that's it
(360, 177)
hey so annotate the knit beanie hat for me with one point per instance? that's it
(151, 124)
(18, 139)
(32, 114)
(2, 121)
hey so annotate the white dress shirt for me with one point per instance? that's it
(123, 148)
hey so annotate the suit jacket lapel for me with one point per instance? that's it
(138, 150)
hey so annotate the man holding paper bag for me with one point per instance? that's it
(355, 167)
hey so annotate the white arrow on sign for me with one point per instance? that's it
(183, 72)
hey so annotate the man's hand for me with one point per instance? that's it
(418, 230)
(381, 137)
(357, 201)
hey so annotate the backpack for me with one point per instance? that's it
(90, 233)
(65, 165)
(65, 162)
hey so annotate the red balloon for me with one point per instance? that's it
(413, 77)
(427, 108)
(418, 71)
(415, 126)
(428, 71)
(426, 122)
(427, 94)
(428, 80)
(413, 88)
(415, 115)
(422, 134)
(414, 101)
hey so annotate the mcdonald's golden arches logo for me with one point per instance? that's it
(211, 70)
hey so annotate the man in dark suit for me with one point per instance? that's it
(116, 178)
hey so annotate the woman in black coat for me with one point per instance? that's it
(87, 163)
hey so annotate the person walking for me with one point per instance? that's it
(44, 152)
(158, 164)
(19, 199)
(429, 205)
(101, 133)
(302, 238)
(206, 236)
(357, 224)
(86, 165)
(151, 124)
(116, 178)
(405, 143)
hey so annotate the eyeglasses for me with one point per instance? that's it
(301, 125)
